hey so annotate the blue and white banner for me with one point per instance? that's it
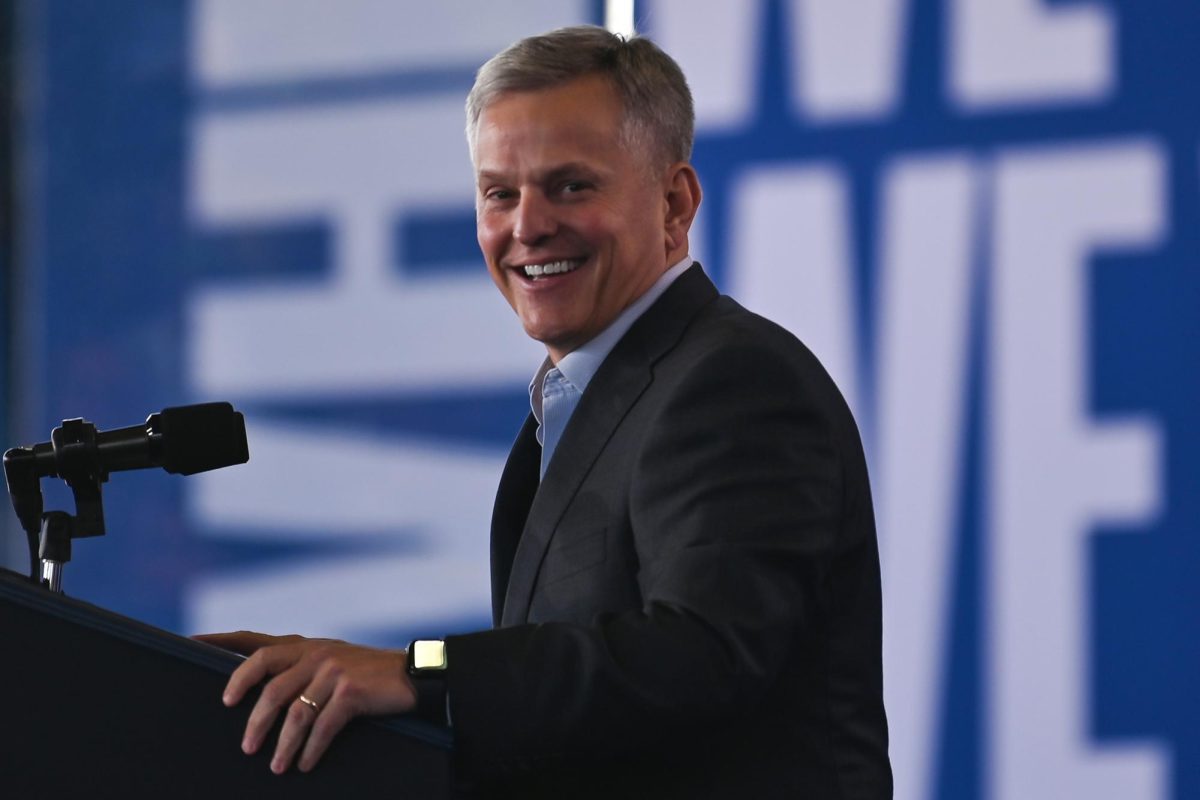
(981, 214)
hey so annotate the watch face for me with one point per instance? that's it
(427, 654)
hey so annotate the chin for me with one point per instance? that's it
(542, 335)
(544, 330)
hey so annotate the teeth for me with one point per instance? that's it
(553, 268)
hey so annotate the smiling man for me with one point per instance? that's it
(578, 218)
(685, 574)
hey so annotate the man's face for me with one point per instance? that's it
(571, 223)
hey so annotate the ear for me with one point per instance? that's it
(681, 199)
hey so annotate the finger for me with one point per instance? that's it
(299, 720)
(276, 695)
(248, 674)
(262, 664)
(327, 725)
(303, 714)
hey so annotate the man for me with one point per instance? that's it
(684, 564)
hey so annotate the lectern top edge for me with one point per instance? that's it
(20, 590)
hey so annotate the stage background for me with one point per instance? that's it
(981, 214)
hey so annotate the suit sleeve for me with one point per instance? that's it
(736, 494)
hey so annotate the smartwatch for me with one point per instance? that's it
(427, 659)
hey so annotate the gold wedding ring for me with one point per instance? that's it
(313, 704)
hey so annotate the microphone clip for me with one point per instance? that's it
(76, 460)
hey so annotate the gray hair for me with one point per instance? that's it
(658, 116)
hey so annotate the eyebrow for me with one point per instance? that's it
(571, 168)
(554, 173)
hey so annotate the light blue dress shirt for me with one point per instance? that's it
(556, 389)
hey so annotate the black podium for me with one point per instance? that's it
(99, 705)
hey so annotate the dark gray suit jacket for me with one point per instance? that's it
(689, 604)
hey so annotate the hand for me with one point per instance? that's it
(344, 680)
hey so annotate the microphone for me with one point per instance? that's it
(183, 440)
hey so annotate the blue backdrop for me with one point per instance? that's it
(981, 214)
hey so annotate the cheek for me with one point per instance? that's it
(491, 240)
(595, 229)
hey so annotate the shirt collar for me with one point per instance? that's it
(535, 393)
(580, 365)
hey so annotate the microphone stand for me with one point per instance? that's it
(55, 548)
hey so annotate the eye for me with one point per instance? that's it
(498, 194)
(575, 187)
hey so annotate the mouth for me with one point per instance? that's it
(539, 271)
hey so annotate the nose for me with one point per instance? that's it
(535, 219)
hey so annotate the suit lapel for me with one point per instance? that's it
(518, 484)
(621, 379)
